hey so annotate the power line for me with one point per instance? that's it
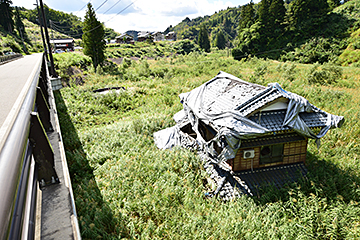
(80, 34)
(100, 5)
(112, 6)
(71, 32)
(59, 26)
(122, 10)
(109, 19)
(82, 7)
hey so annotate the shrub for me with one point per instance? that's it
(316, 50)
(325, 74)
(289, 71)
(186, 47)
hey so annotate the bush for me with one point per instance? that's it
(316, 50)
(186, 47)
(325, 74)
(10, 43)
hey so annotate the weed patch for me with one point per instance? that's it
(127, 188)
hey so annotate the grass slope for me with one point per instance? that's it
(127, 188)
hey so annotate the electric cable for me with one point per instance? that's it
(100, 5)
(112, 7)
(108, 19)
(82, 7)
(122, 10)
(80, 34)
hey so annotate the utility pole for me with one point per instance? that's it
(41, 30)
(52, 68)
(52, 32)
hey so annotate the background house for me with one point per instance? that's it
(158, 36)
(171, 36)
(124, 38)
(143, 36)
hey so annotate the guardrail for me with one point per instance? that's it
(26, 156)
(8, 58)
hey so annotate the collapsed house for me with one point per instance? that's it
(248, 135)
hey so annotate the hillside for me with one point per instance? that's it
(225, 20)
(32, 39)
(65, 23)
(316, 38)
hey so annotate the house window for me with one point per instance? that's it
(271, 154)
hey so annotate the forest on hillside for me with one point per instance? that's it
(299, 30)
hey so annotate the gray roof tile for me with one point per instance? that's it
(273, 120)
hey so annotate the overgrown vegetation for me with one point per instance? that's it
(301, 30)
(127, 188)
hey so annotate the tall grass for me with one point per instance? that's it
(127, 188)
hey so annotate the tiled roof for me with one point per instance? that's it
(230, 186)
(226, 94)
(273, 120)
(270, 140)
(276, 176)
(258, 101)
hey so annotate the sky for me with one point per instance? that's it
(139, 15)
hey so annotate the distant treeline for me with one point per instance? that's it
(279, 30)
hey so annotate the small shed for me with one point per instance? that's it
(65, 44)
(243, 129)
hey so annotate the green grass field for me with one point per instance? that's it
(126, 188)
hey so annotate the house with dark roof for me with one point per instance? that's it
(248, 135)
(144, 36)
(124, 38)
(171, 36)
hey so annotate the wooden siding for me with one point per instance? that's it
(294, 152)
(243, 164)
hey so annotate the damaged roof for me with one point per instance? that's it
(226, 114)
(229, 110)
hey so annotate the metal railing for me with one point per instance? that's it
(25, 157)
(8, 58)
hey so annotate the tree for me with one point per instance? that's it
(227, 25)
(277, 11)
(203, 39)
(19, 25)
(220, 40)
(308, 16)
(247, 16)
(6, 15)
(93, 37)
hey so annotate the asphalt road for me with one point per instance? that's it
(15, 79)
